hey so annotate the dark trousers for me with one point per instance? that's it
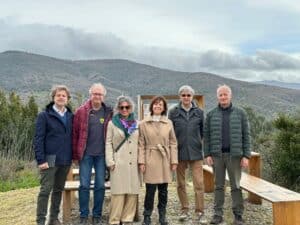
(52, 179)
(149, 198)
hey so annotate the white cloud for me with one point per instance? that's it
(248, 40)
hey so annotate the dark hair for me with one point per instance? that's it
(57, 88)
(157, 99)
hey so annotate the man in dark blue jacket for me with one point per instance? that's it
(53, 152)
(187, 119)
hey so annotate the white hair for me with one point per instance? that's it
(99, 85)
(122, 99)
(186, 88)
(225, 87)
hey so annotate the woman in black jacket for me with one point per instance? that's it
(53, 152)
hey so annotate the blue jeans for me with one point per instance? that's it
(85, 173)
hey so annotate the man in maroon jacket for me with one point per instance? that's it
(89, 128)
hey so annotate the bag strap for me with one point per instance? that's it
(120, 145)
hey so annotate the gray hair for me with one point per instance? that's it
(122, 99)
(57, 88)
(186, 88)
(224, 86)
(97, 85)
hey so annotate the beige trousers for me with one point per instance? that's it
(122, 208)
(197, 173)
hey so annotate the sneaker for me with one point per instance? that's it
(96, 221)
(216, 219)
(238, 220)
(200, 218)
(183, 216)
(83, 221)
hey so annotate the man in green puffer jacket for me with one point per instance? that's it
(227, 147)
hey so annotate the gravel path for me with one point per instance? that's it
(19, 208)
(253, 215)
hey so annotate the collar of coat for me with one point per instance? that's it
(193, 105)
(88, 106)
(163, 119)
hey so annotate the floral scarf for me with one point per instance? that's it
(128, 125)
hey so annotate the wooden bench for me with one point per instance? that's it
(71, 186)
(254, 169)
(285, 203)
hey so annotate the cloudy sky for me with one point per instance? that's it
(246, 39)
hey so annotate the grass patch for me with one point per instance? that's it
(17, 174)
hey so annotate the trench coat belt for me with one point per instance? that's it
(161, 148)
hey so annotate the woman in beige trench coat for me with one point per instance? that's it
(157, 157)
(121, 158)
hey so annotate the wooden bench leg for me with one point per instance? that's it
(70, 177)
(208, 181)
(286, 213)
(254, 170)
(67, 205)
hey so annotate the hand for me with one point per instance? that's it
(75, 162)
(44, 166)
(112, 168)
(244, 163)
(209, 161)
(173, 167)
(142, 168)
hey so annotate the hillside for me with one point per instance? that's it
(31, 73)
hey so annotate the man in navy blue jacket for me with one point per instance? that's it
(53, 152)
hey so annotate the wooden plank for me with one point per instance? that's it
(76, 171)
(267, 190)
(74, 185)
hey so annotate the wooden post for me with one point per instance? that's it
(286, 213)
(67, 205)
(70, 177)
(254, 170)
(208, 181)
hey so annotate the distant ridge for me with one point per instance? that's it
(280, 84)
(32, 73)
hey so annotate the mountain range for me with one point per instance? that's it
(33, 74)
(280, 84)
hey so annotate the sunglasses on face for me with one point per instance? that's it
(186, 95)
(124, 107)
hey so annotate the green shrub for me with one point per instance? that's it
(286, 155)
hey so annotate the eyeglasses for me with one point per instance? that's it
(186, 95)
(97, 94)
(127, 107)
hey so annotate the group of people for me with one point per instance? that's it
(99, 137)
